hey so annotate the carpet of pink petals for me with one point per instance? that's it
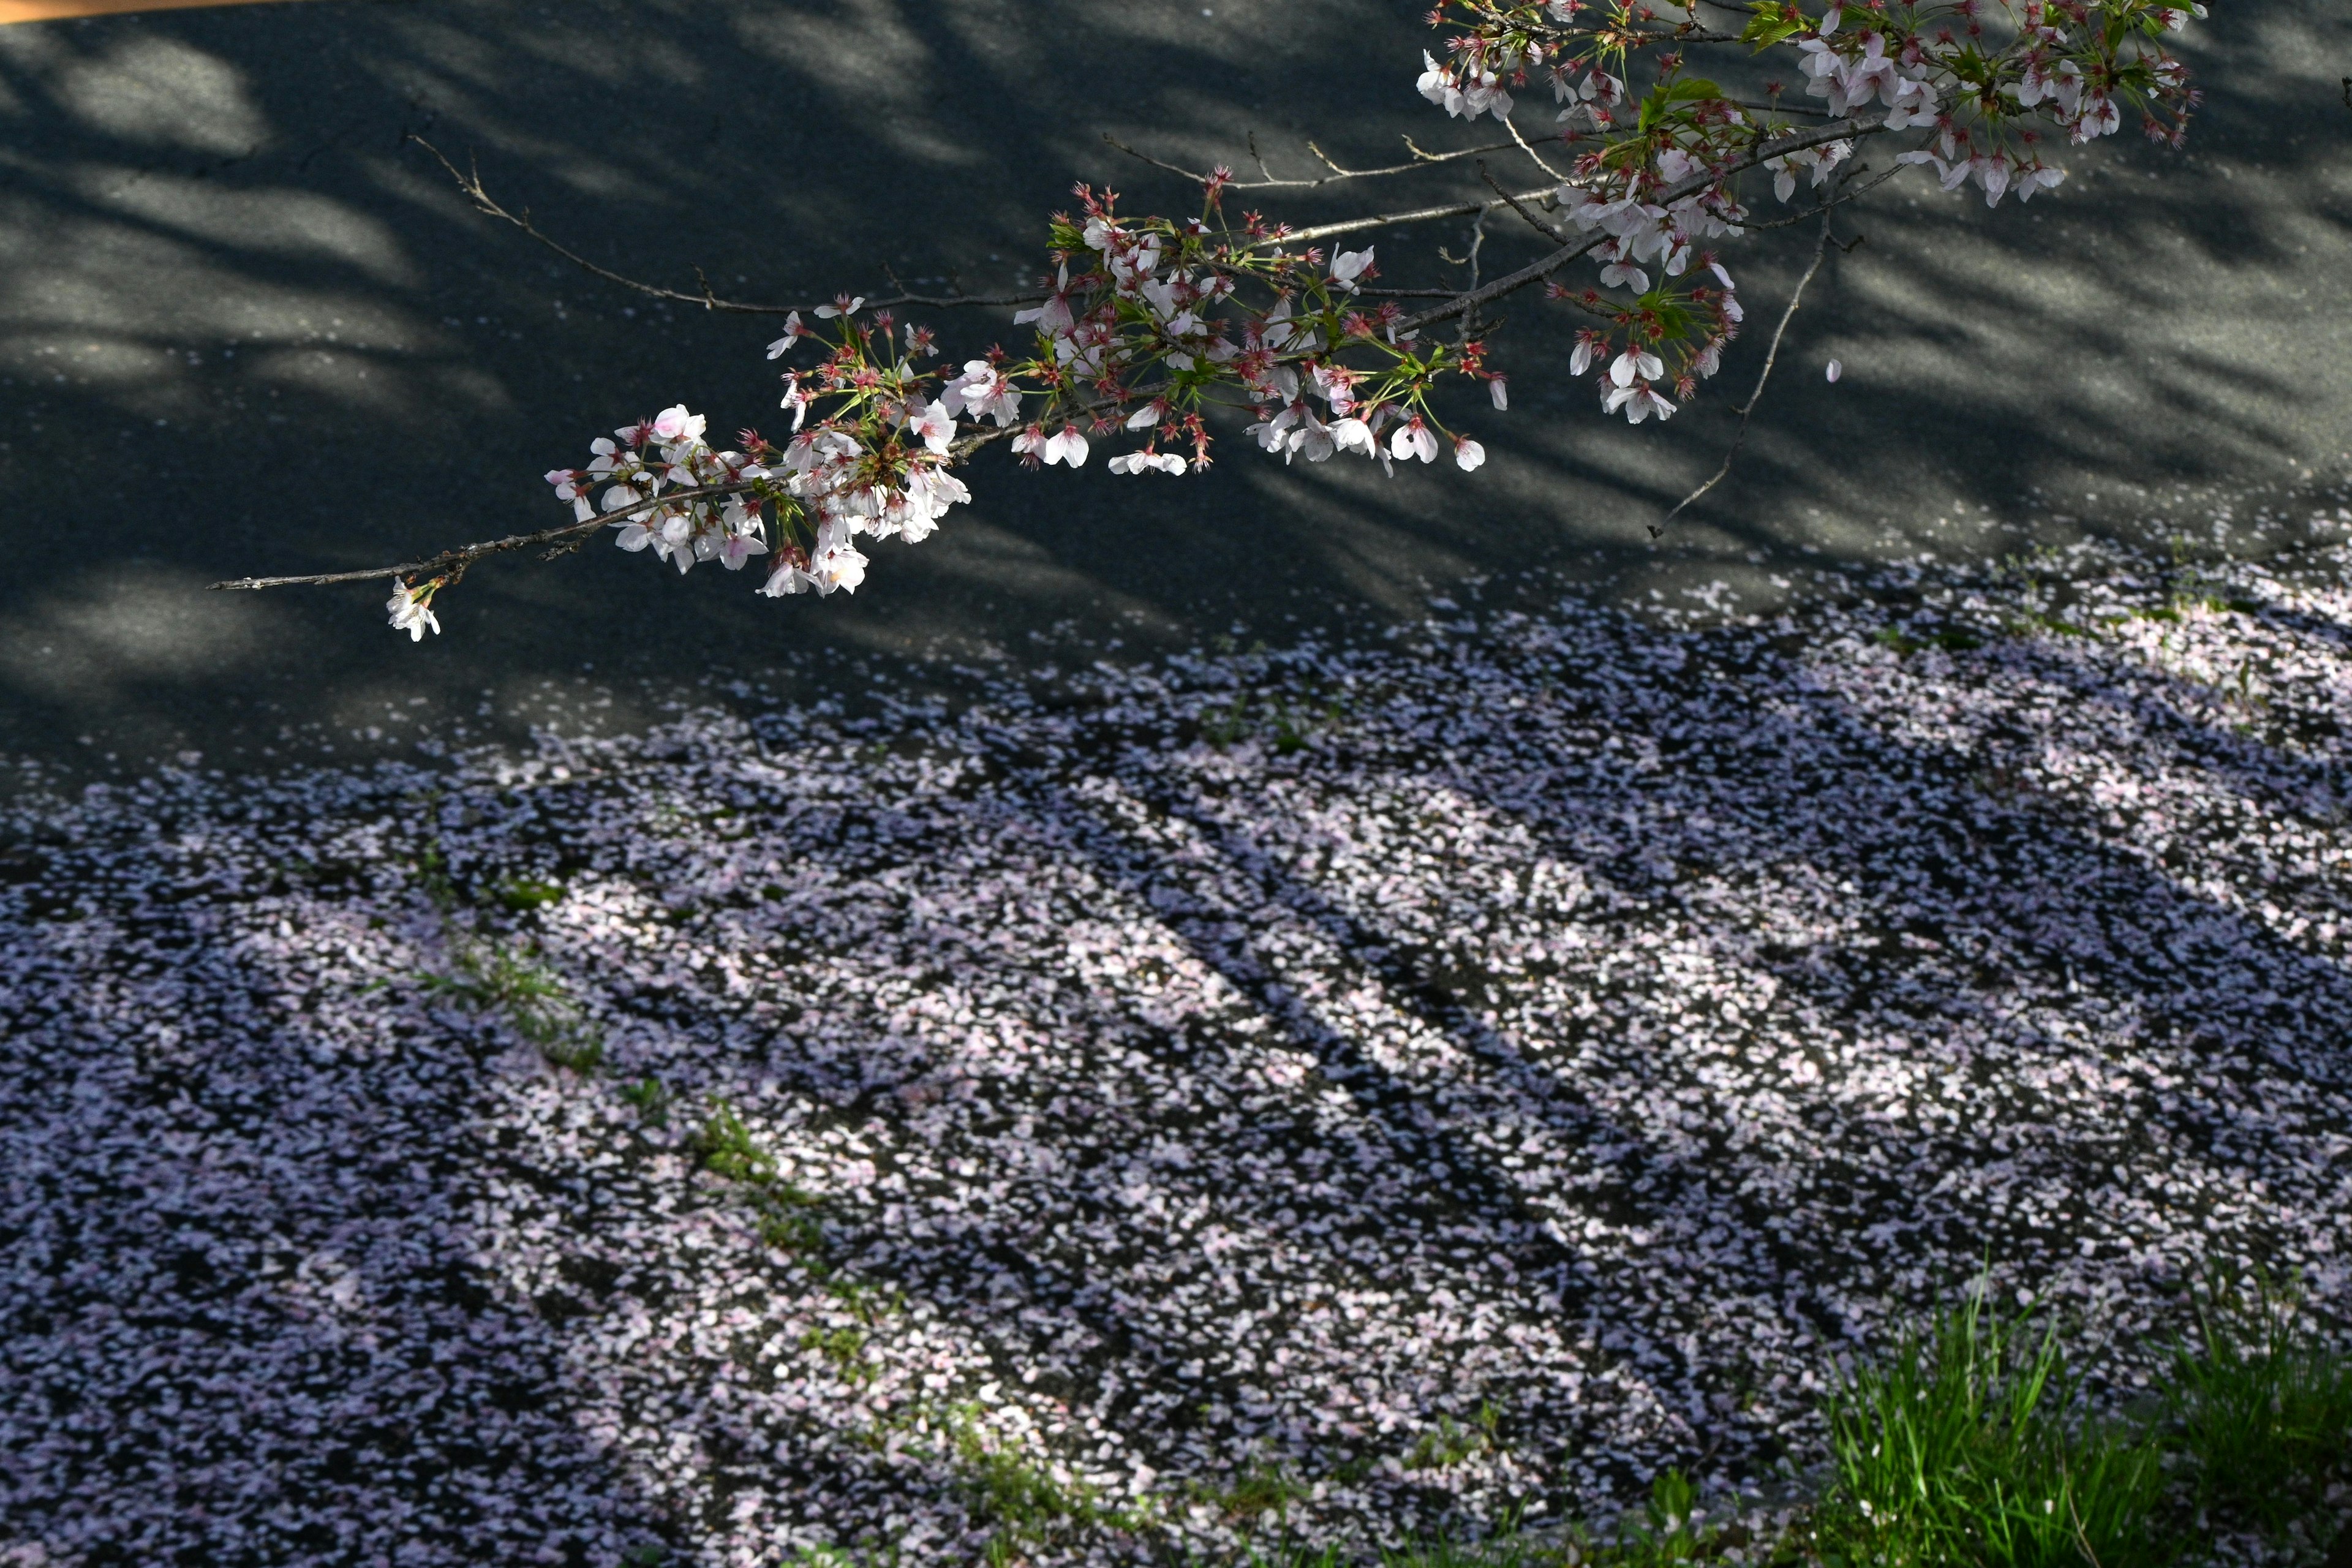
(1352, 1092)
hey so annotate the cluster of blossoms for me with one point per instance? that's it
(679, 498)
(1143, 326)
(1654, 177)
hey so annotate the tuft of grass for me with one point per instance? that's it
(1266, 1488)
(2260, 1405)
(727, 1149)
(652, 1098)
(1510, 1550)
(574, 1052)
(788, 1230)
(1670, 1529)
(524, 894)
(1451, 1442)
(844, 1350)
(827, 1557)
(1967, 1447)
(1022, 1499)
(515, 981)
(1269, 714)
(433, 876)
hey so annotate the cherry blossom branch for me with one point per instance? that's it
(1779, 106)
(1843, 196)
(1535, 272)
(1549, 232)
(455, 562)
(452, 563)
(1772, 357)
(469, 184)
(1420, 161)
(1388, 220)
(1149, 323)
(1641, 38)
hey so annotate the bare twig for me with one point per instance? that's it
(1421, 160)
(1555, 236)
(469, 184)
(1260, 157)
(1531, 152)
(1478, 244)
(1772, 357)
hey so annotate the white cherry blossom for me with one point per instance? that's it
(1413, 440)
(1637, 401)
(1147, 462)
(410, 613)
(1349, 265)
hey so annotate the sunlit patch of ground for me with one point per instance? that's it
(1346, 1091)
(63, 10)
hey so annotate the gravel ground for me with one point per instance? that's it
(1351, 1090)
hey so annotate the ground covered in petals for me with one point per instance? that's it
(1340, 1091)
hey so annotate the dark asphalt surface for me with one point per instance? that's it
(245, 329)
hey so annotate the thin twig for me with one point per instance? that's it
(1261, 158)
(1478, 244)
(1772, 357)
(1555, 236)
(470, 183)
(1421, 160)
(1531, 152)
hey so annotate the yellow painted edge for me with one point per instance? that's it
(60, 10)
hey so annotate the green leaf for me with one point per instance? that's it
(1673, 319)
(1764, 29)
(1665, 95)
